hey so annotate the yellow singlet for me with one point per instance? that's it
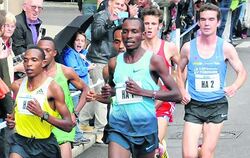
(27, 124)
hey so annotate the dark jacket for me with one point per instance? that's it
(22, 36)
(101, 38)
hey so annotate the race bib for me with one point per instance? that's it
(123, 97)
(23, 103)
(207, 83)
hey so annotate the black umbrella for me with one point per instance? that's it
(64, 37)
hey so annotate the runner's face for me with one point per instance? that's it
(79, 43)
(48, 49)
(208, 22)
(117, 43)
(131, 34)
(33, 62)
(151, 24)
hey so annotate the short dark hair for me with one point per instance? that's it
(210, 7)
(115, 29)
(47, 38)
(136, 19)
(154, 11)
(31, 46)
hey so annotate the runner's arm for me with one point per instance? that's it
(79, 84)
(182, 74)
(65, 123)
(158, 70)
(232, 56)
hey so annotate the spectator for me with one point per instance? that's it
(144, 4)
(235, 11)
(174, 21)
(6, 103)
(243, 24)
(28, 27)
(100, 51)
(9, 29)
(75, 57)
(238, 8)
(224, 8)
(88, 8)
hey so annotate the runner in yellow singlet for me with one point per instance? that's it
(39, 101)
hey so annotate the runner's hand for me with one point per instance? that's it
(132, 87)
(90, 96)
(10, 121)
(106, 91)
(35, 108)
(230, 90)
(185, 97)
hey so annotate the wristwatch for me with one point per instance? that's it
(45, 116)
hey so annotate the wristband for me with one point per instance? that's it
(45, 116)
(154, 95)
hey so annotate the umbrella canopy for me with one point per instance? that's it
(80, 23)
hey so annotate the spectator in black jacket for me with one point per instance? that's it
(28, 26)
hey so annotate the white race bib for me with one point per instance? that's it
(23, 103)
(123, 97)
(207, 83)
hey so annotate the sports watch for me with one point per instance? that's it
(45, 116)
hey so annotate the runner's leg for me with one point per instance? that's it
(66, 151)
(191, 134)
(115, 150)
(162, 128)
(211, 133)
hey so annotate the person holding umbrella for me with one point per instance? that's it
(76, 57)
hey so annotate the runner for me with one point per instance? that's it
(152, 18)
(63, 75)
(39, 102)
(133, 123)
(206, 106)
